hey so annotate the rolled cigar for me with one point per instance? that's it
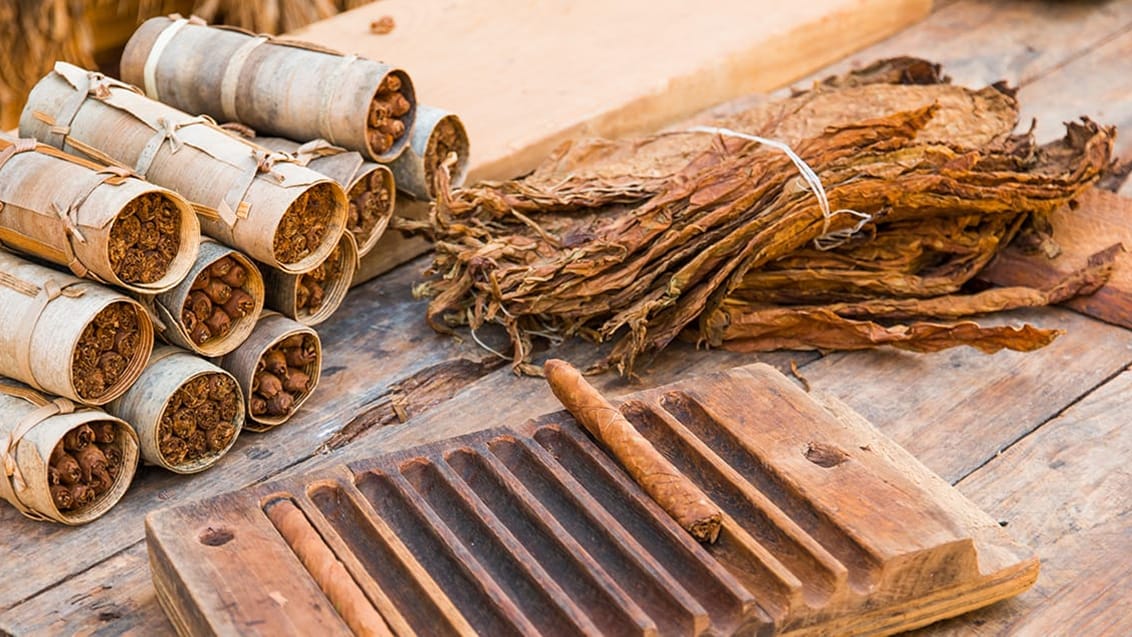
(85, 216)
(436, 135)
(664, 483)
(245, 196)
(330, 574)
(284, 88)
(370, 187)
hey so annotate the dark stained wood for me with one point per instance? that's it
(879, 543)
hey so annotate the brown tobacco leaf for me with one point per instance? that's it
(639, 240)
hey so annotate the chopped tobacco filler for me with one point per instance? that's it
(84, 465)
(717, 239)
(105, 349)
(387, 114)
(369, 204)
(217, 300)
(312, 286)
(145, 238)
(283, 376)
(199, 420)
(444, 140)
(303, 227)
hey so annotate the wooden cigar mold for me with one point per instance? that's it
(828, 528)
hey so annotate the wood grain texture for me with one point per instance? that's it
(956, 409)
(526, 76)
(1066, 490)
(879, 544)
(1098, 220)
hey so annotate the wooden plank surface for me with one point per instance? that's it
(1098, 220)
(988, 40)
(525, 76)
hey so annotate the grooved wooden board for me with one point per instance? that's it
(829, 528)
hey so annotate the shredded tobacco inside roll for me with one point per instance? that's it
(303, 227)
(105, 349)
(313, 286)
(283, 376)
(218, 299)
(145, 239)
(84, 465)
(370, 202)
(199, 420)
(720, 239)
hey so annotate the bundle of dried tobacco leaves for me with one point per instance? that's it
(719, 238)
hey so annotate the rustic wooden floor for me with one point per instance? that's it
(1038, 440)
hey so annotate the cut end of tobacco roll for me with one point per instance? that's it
(145, 239)
(200, 420)
(371, 200)
(390, 116)
(111, 351)
(221, 297)
(448, 138)
(307, 225)
(284, 377)
(85, 465)
(685, 502)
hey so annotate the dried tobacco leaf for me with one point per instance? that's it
(639, 240)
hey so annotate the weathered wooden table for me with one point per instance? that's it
(1038, 440)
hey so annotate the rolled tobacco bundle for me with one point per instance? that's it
(312, 297)
(246, 197)
(100, 222)
(215, 308)
(284, 88)
(67, 336)
(187, 412)
(369, 186)
(277, 368)
(916, 185)
(438, 140)
(62, 463)
(672, 490)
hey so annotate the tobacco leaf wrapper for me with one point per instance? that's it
(245, 196)
(664, 483)
(62, 462)
(285, 88)
(100, 222)
(187, 412)
(68, 336)
(369, 186)
(718, 238)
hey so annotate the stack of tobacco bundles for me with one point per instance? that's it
(730, 241)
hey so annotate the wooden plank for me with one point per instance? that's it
(1066, 490)
(1098, 220)
(956, 409)
(526, 76)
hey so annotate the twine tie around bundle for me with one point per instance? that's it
(13, 481)
(828, 239)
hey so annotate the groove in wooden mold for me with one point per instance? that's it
(402, 582)
(479, 599)
(582, 577)
(503, 557)
(765, 478)
(818, 571)
(327, 571)
(585, 481)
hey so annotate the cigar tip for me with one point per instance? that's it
(555, 364)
